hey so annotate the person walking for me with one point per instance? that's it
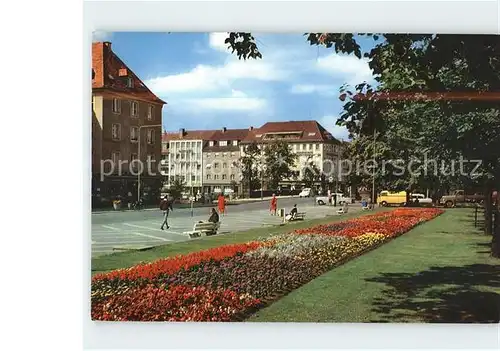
(221, 202)
(166, 207)
(274, 205)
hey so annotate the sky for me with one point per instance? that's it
(207, 87)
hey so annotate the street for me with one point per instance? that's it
(112, 230)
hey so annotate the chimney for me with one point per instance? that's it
(224, 129)
(251, 128)
(182, 131)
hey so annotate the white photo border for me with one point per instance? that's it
(463, 17)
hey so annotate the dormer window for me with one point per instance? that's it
(235, 142)
(211, 143)
(259, 135)
(223, 143)
(130, 82)
(311, 134)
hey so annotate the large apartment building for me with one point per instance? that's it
(126, 126)
(310, 141)
(221, 161)
(221, 150)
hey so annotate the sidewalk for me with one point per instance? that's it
(196, 205)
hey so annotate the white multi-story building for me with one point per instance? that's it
(182, 158)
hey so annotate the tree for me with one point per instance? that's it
(278, 161)
(177, 188)
(312, 174)
(249, 172)
(442, 128)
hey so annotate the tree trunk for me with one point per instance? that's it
(249, 186)
(488, 209)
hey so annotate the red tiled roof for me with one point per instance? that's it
(188, 135)
(111, 74)
(306, 131)
(230, 134)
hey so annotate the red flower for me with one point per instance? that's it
(171, 265)
(178, 303)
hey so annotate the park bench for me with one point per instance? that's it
(299, 216)
(203, 228)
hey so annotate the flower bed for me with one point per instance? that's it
(227, 282)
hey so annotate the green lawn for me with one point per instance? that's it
(130, 258)
(439, 272)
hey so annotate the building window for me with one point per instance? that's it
(223, 143)
(211, 143)
(216, 176)
(235, 142)
(116, 157)
(130, 82)
(224, 165)
(233, 154)
(151, 110)
(193, 178)
(216, 154)
(224, 176)
(116, 106)
(134, 131)
(116, 131)
(209, 176)
(216, 165)
(151, 136)
(208, 154)
(198, 167)
(224, 154)
(134, 109)
(317, 146)
(232, 176)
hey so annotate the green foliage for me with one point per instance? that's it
(177, 188)
(312, 174)
(247, 163)
(243, 44)
(278, 160)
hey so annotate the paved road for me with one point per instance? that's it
(114, 229)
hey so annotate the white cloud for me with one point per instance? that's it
(210, 78)
(323, 89)
(101, 36)
(347, 67)
(329, 123)
(216, 41)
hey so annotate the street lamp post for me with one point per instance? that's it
(139, 156)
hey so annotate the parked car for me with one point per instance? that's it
(323, 200)
(422, 200)
(387, 198)
(306, 192)
(460, 197)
